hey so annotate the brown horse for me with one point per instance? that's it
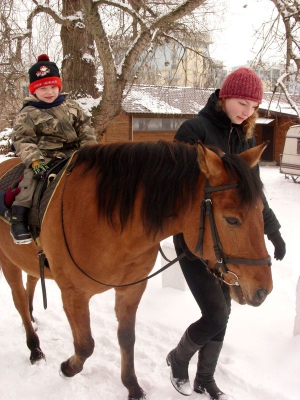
(105, 221)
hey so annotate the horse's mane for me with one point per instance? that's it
(166, 174)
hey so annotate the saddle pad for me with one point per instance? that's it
(48, 193)
(43, 194)
(11, 176)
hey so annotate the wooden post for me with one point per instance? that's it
(172, 277)
(297, 318)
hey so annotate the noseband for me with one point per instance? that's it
(222, 259)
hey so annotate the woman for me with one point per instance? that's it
(227, 121)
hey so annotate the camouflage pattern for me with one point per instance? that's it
(53, 132)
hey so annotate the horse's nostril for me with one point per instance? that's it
(260, 295)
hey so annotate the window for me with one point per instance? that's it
(156, 124)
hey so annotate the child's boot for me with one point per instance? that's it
(19, 225)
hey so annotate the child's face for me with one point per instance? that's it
(47, 93)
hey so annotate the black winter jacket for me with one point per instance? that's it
(213, 127)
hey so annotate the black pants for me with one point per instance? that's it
(213, 299)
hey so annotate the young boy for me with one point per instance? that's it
(49, 125)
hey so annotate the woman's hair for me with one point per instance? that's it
(248, 124)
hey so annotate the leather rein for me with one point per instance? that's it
(222, 259)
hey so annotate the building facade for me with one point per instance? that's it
(152, 113)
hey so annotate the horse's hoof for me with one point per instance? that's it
(37, 355)
(62, 375)
(142, 396)
(67, 371)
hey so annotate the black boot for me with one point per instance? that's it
(207, 362)
(19, 225)
(178, 359)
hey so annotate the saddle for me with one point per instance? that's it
(43, 192)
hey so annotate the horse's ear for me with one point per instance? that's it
(252, 156)
(209, 162)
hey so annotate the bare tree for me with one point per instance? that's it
(289, 12)
(121, 33)
(18, 50)
(143, 24)
(11, 66)
(78, 65)
(281, 34)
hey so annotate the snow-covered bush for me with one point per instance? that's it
(5, 141)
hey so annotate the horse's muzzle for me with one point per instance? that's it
(255, 300)
(258, 297)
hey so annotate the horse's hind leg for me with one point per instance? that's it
(13, 275)
(127, 301)
(76, 306)
(30, 288)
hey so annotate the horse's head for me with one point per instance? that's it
(233, 237)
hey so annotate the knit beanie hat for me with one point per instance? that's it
(43, 73)
(242, 84)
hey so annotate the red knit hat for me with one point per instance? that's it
(242, 84)
(43, 73)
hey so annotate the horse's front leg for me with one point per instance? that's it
(127, 301)
(13, 275)
(76, 306)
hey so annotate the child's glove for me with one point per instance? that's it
(11, 193)
(39, 168)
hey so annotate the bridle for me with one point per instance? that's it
(222, 259)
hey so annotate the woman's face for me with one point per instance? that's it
(238, 110)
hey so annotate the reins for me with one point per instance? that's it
(206, 210)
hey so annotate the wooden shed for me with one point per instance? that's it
(150, 113)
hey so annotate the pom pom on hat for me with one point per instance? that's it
(43, 57)
(43, 73)
(242, 84)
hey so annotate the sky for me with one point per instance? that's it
(260, 357)
(236, 43)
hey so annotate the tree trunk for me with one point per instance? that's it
(117, 76)
(78, 66)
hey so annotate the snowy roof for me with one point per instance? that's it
(278, 103)
(176, 100)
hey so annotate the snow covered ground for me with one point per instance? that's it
(260, 359)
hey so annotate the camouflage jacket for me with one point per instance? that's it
(52, 132)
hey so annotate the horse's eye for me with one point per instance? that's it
(232, 221)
